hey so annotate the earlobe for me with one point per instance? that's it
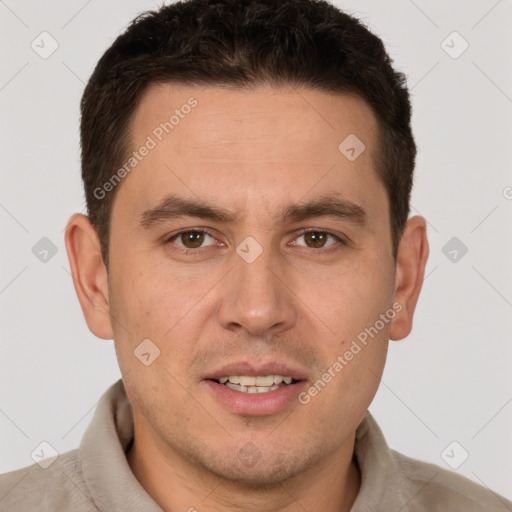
(89, 274)
(410, 270)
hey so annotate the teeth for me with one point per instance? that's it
(236, 387)
(246, 381)
(267, 380)
(259, 384)
(252, 389)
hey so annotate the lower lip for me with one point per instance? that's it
(256, 404)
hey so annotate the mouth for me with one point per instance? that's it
(256, 384)
(263, 390)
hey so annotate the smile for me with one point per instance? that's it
(258, 384)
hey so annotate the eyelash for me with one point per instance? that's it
(199, 250)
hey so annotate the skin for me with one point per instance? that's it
(252, 152)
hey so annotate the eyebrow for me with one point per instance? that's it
(332, 205)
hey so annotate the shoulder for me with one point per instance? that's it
(431, 487)
(58, 487)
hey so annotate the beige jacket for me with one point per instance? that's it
(96, 476)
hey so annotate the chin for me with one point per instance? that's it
(252, 470)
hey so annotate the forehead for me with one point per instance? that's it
(225, 114)
(276, 145)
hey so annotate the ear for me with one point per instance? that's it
(89, 274)
(410, 269)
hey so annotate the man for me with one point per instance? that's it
(247, 167)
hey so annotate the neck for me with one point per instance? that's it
(178, 485)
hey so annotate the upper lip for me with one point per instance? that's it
(253, 370)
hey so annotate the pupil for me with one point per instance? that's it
(317, 239)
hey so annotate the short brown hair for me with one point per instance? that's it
(242, 43)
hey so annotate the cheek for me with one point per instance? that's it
(149, 298)
(158, 303)
(352, 299)
(351, 303)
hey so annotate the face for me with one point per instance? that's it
(246, 243)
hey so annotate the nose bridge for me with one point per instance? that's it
(256, 298)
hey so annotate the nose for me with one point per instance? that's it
(257, 298)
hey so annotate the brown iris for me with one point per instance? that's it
(194, 238)
(315, 239)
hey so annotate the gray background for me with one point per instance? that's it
(450, 380)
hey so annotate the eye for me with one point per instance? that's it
(190, 239)
(317, 239)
